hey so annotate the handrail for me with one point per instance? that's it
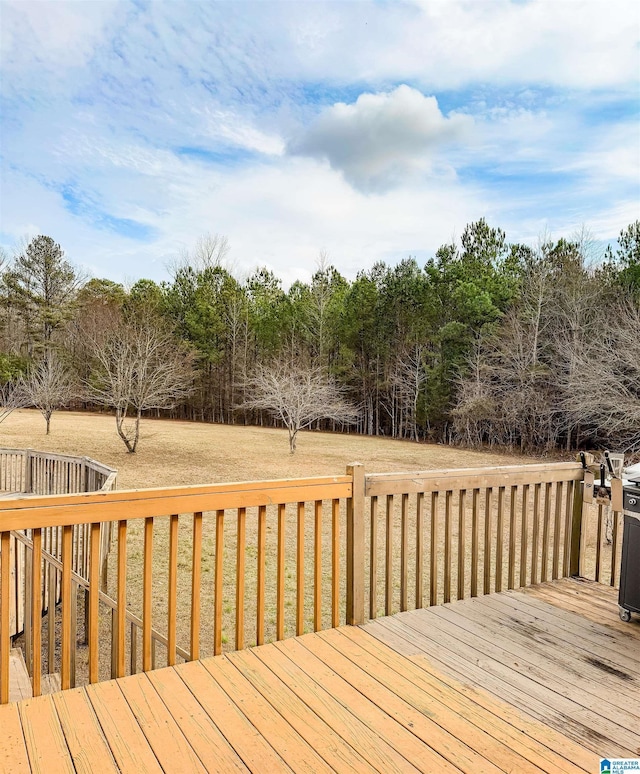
(38, 465)
(458, 478)
(56, 510)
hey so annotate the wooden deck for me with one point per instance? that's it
(545, 679)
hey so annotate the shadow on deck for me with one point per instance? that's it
(543, 679)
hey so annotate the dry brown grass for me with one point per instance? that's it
(180, 453)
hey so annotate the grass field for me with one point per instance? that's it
(179, 453)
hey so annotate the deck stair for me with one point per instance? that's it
(20, 682)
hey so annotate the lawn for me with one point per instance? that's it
(178, 453)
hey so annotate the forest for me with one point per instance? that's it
(490, 343)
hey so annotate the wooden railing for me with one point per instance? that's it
(196, 570)
(29, 472)
(44, 473)
(439, 536)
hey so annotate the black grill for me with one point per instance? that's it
(629, 597)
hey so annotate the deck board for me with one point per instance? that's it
(465, 640)
(545, 679)
(13, 753)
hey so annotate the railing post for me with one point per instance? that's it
(355, 546)
(575, 556)
(28, 470)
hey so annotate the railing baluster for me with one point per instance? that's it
(404, 552)
(262, 531)
(121, 608)
(546, 524)
(114, 642)
(300, 570)
(511, 572)
(74, 633)
(317, 567)
(524, 535)
(67, 547)
(462, 534)
(172, 596)
(474, 542)
(499, 538)
(487, 540)
(447, 545)
(568, 513)
(433, 564)
(242, 512)
(388, 579)
(281, 572)
(51, 619)
(5, 644)
(133, 653)
(355, 546)
(556, 531)
(196, 580)
(36, 610)
(373, 560)
(599, 542)
(147, 591)
(94, 578)
(419, 549)
(217, 628)
(535, 535)
(335, 563)
(27, 603)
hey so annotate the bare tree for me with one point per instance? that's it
(210, 251)
(11, 398)
(602, 391)
(297, 397)
(48, 386)
(140, 366)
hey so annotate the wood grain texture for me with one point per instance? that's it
(127, 741)
(87, 746)
(44, 737)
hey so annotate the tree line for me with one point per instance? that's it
(489, 342)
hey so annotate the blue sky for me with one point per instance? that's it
(367, 130)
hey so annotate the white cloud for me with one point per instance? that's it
(52, 34)
(101, 95)
(382, 139)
